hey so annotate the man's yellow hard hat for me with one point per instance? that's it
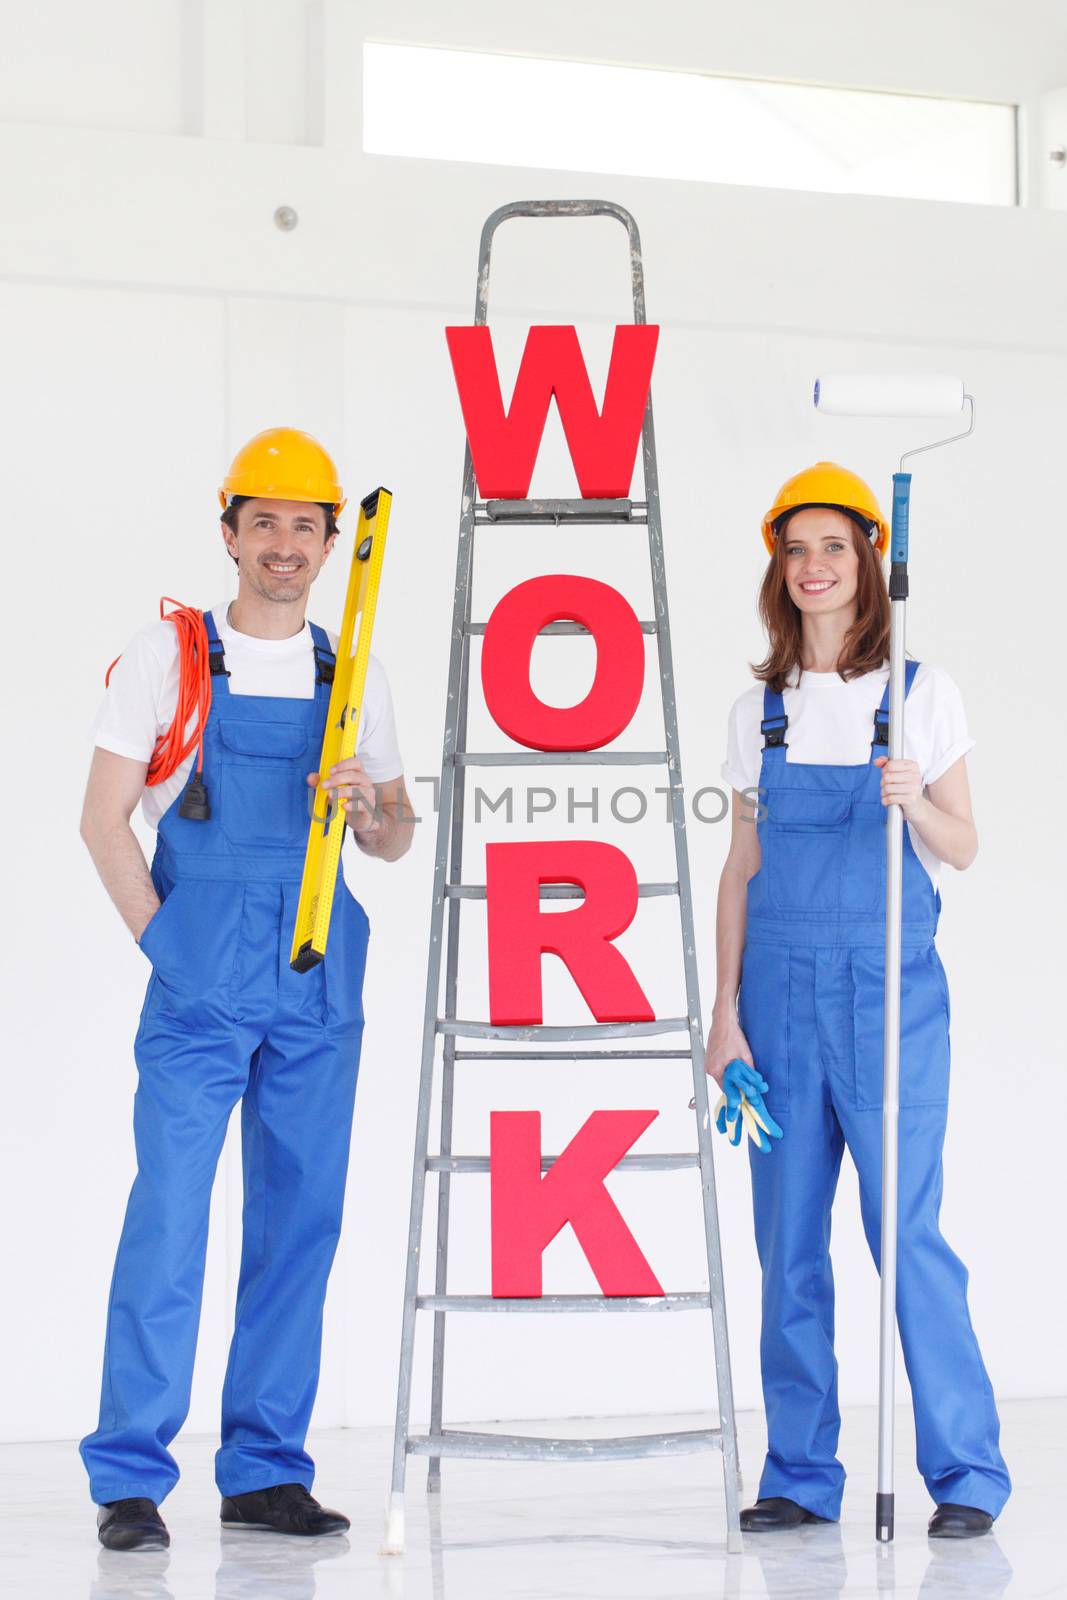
(827, 484)
(283, 464)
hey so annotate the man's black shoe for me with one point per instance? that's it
(132, 1524)
(958, 1522)
(772, 1516)
(283, 1508)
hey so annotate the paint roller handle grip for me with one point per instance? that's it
(898, 543)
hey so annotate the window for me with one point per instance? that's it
(517, 111)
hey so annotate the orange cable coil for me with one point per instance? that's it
(194, 694)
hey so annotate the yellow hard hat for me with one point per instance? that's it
(827, 484)
(283, 464)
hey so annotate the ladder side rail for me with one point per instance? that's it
(713, 1243)
(394, 1539)
(454, 875)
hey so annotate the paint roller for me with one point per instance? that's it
(893, 394)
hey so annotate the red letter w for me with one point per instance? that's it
(504, 445)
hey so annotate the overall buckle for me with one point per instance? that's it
(773, 735)
(324, 664)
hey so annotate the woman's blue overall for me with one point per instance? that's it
(225, 1018)
(811, 1005)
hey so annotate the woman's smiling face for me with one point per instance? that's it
(820, 560)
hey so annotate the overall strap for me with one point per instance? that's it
(324, 658)
(216, 656)
(774, 724)
(881, 716)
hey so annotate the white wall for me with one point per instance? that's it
(153, 317)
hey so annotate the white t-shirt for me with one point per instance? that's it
(831, 723)
(142, 695)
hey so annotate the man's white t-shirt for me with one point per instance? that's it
(831, 723)
(142, 696)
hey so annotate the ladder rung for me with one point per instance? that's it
(559, 758)
(585, 1030)
(523, 1447)
(572, 1055)
(553, 891)
(698, 1300)
(476, 628)
(557, 511)
(646, 1163)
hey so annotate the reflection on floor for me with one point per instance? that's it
(512, 1531)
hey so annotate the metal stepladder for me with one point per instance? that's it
(449, 889)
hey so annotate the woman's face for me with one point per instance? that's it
(820, 560)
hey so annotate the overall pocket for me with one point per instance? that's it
(763, 1012)
(193, 948)
(150, 931)
(924, 1040)
(346, 961)
(863, 876)
(802, 844)
(946, 1000)
(264, 791)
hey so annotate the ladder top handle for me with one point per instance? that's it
(558, 208)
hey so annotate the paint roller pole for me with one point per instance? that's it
(893, 395)
(898, 597)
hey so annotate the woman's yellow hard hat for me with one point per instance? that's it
(283, 464)
(827, 484)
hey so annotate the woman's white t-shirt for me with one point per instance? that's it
(142, 695)
(831, 723)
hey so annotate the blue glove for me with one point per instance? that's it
(742, 1106)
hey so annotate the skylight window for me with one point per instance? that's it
(518, 111)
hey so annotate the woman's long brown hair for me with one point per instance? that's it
(866, 644)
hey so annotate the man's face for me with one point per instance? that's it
(280, 547)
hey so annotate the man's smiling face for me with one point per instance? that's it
(280, 547)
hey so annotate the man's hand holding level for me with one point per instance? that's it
(349, 783)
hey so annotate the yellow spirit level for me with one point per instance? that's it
(327, 829)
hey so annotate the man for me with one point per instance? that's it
(225, 1018)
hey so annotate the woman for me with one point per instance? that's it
(801, 928)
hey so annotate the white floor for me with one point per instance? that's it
(623, 1531)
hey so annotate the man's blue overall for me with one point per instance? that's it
(811, 1005)
(225, 1018)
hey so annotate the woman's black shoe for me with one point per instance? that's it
(958, 1522)
(132, 1524)
(772, 1516)
(283, 1508)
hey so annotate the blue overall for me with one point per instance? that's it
(225, 1018)
(811, 1004)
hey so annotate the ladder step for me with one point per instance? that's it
(698, 1300)
(586, 1030)
(572, 1055)
(559, 758)
(554, 891)
(474, 629)
(523, 1447)
(647, 1163)
(557, 511)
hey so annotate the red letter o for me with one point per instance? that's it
(620, 663)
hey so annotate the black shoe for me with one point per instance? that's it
(133, 1524)
(772, 1516)
(283, 1508)
(958, 1522)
